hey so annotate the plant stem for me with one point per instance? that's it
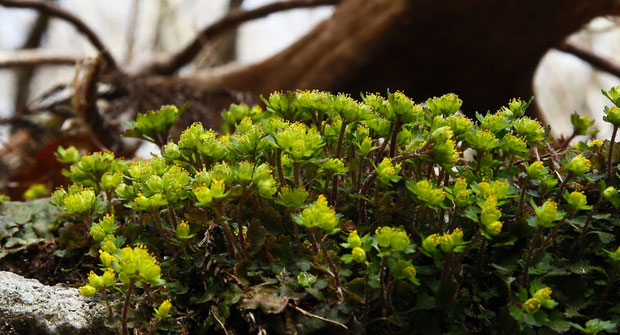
(383, 287)
(312, 238)
(528, 260)
(611, 151)
(296, 173)
(332, 266)
(226, 227)
(562, 186)
(172, 215)
(240, 219)
(397, 126)
(584, 230)
(132, 281)
(107, 303)
(279, 167)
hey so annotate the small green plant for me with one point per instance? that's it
(323, 212)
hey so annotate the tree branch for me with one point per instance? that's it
(586, 55)
(60, 13)
(232, 20)
(35, 57)
(23, 76)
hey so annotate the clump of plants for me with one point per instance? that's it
(322, 213)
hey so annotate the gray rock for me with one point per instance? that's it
(29, 307)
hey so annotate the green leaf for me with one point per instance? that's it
(425, 302)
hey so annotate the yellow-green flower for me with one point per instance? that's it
(531, 130)
(80, 203)
(95, 281)
(318, 214)
(612, 115)
(182, 230)
(578, 165)
(547, 213)
(577, 201)
(430, 243)
(536, 170)
(108, 278)
(531, 306)
(111, 180)
(87, 291)
(106, 258)
(426, 192)
(354, 240)
(36, 191)
(359, 255)
(164, 310)
(387, 172)
(384, 236)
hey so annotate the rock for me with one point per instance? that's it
(29, 307)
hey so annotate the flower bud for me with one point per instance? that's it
(80, 203)
(430, 243)
(494, 228)
(409, 272)
(384, 236)
(111, 180)
(577, 201)
(359, 255)
(171, 150)
(155, 184)
(182, 231)
(536, 170)
(613, 115)
(354, 240)
(95, 281)
(67, 156)
(547, 213)
(203, 194)
(218, 188)
(531, 305)
(610, 192)
(97, 233)
(578, 165)
(164, 310)
(543, 294)
(87, 291)
(399, 241)
(106, 258)
(108, 278)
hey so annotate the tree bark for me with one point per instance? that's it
(486, 51)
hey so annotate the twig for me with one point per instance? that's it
(24, 76)
(219, 321)
(34, 57)
(598, 62)
(60, 13)
(232, 20)
(306, 313)
(131, 29)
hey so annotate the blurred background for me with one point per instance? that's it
(139, 32)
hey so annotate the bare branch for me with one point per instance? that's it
(598, 62)
(23, 76)
(60, 13)
(231, 20)
(35, 57)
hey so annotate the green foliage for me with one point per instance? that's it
(322, 213)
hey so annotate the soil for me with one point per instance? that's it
(39, 261)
